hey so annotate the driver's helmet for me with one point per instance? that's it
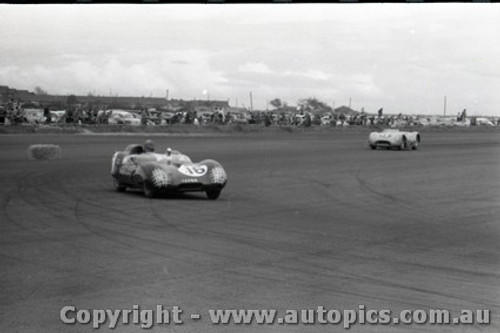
(149, 146)
(169, 151)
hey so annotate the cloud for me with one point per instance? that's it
(313, 74)
(179, 62)
(397, 55)
(259, 68)
(122, 74)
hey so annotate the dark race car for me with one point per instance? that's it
(165, 173)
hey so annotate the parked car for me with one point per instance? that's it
(122, 117)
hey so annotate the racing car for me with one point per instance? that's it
(394, 138)
(172, 171)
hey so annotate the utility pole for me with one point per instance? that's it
(251, 101)
(166, 96)
(444, 111)
(349, 102)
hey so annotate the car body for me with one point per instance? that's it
(394, 138)
(327, 120)
(57, 116)
(482, 121)
(239, 118)
(422, 121)
(154, 117)
(206, 117)
(122, 117)
(300, 118)
(166, 117)
(461, 123)
(35, 116)
(165, 173)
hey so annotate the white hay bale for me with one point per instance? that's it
(44, 152)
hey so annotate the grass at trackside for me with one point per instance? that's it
(214, 129)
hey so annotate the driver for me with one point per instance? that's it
(168, 154)
(149, 146)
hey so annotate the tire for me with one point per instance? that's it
(119, 187)
(149, 190)
(213, 194)
(414, 147)
(403, 144)
(373, 147)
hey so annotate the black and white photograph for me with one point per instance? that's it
(250, 167)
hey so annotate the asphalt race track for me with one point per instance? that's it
(307, 219)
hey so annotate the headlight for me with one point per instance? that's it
(218, 175)
(159, 178)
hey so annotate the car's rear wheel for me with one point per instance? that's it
(149, 190)
(213, 194)
(119, 187)
(373, 147)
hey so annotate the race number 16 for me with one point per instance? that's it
(193, 170)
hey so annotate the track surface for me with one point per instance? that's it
(307, 219)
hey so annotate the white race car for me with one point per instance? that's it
(394, 138)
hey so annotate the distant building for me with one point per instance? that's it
(173, 105)
(208, 106)
(125, 102)
(345, 110)
(5, 94)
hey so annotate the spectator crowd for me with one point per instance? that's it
(15, 113)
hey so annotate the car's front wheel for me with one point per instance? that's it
(213, 194)
(403, 143)
(119, 187)
(372, 146)
(149, 190)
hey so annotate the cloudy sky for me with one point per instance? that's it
(403, 57)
